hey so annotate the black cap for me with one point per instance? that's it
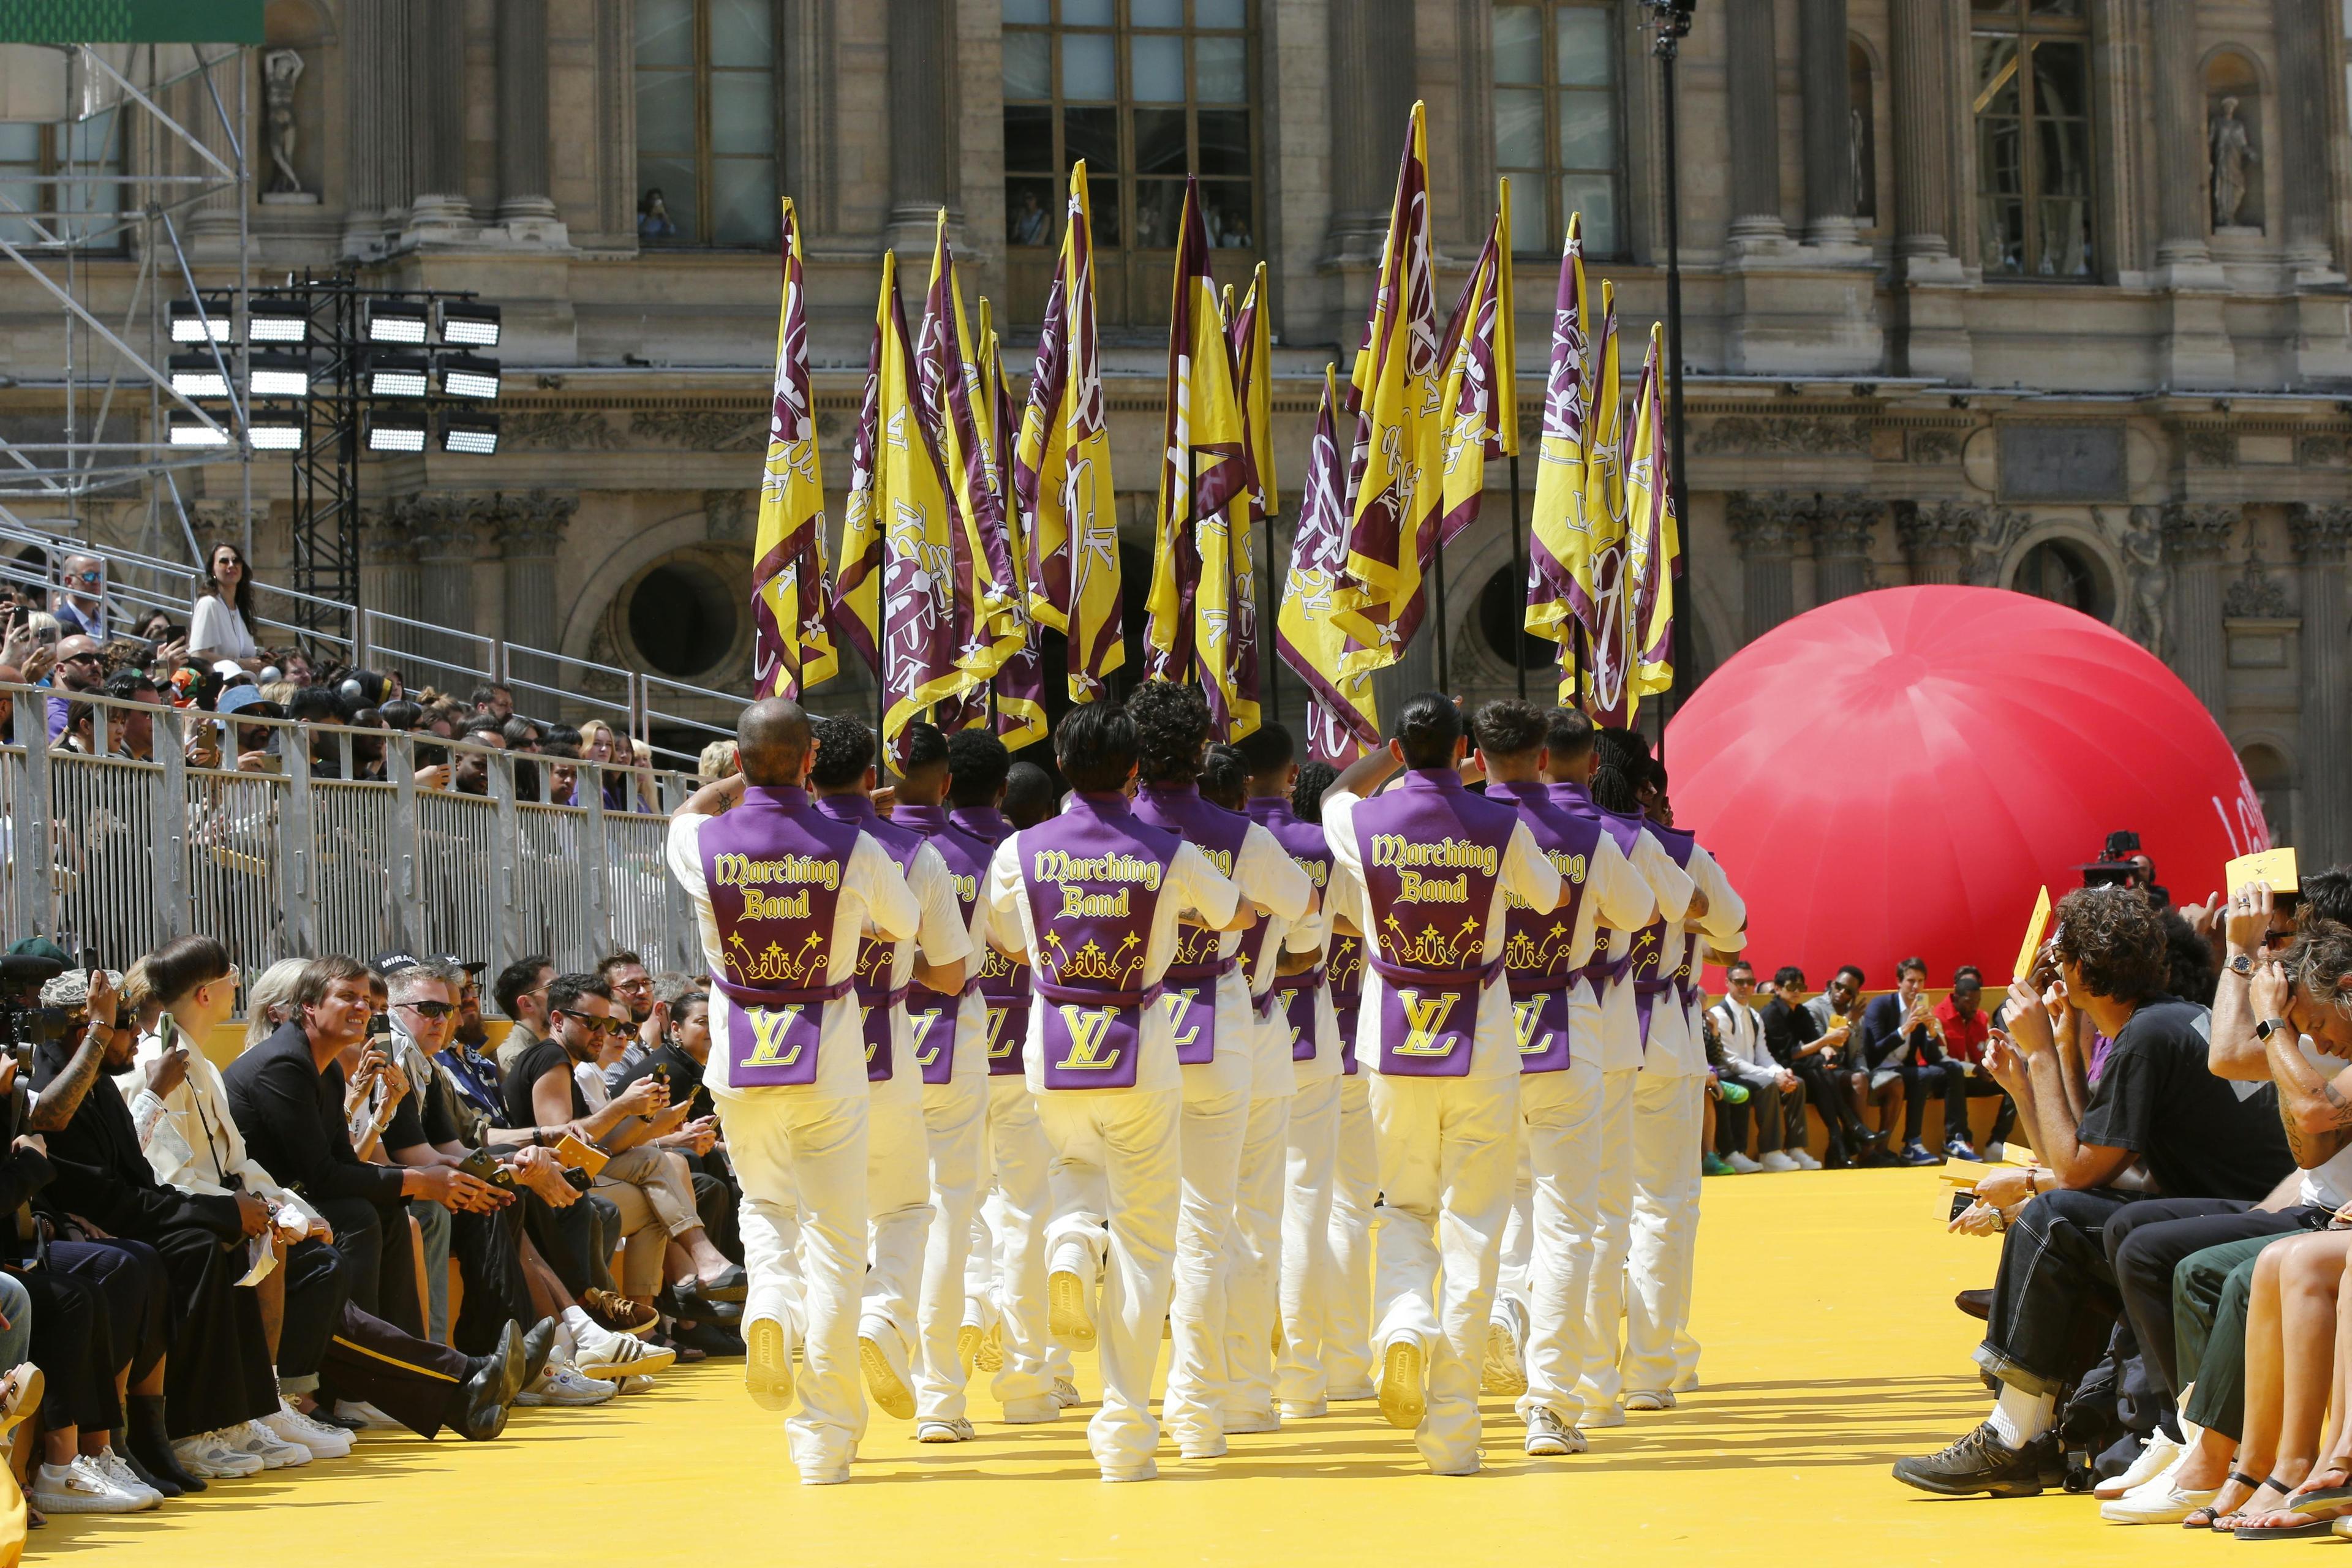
(451, 961)
(387, 965)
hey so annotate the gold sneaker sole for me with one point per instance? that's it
(768, 1364)
(968, 1342)
(1502, 1373)
(1065, 1310)
(897, 1400)
(1403, 1400)
(990, 1356)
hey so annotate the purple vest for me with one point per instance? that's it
(1190, 983)
(1311, 852)
(1537, 950)
(1649, 953)
(773, 870)
(1004, 985)
(1093, 877)
(1433, 857)
(932, 1014)
(877, 999)
(1625, 831)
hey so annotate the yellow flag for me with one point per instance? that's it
(858, 591)
(1018, 686)
(925, 621)
(946, 371)
(1560, 541)
(792, 644)
(1396, 391)
(1062, 469)
(1600, 573)
(1342, 718)
(1654, 540)
(1481, 395)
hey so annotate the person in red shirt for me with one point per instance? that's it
(1961, 1023)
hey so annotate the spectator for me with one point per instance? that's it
(79, 668)
(221, 624)
(494, 700)
(718, 761)
(131, 731)
(624, 975)
(520, 991)
(80, 604)
(2055, 1299)
(1838, 1012)
(1794, 1033)
(1899, 1048)
(1777, 1093)
(1961, 1022)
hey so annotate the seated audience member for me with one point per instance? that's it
(520, 991)
(1900, 1049)
(2157, 1103)
(1837, 1013)
(1961, 1018)
(1794, 1035)
(1776, 1094)
(632, 984)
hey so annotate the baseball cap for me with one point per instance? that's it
(451, 961)
(387, 965)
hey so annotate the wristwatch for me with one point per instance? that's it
(2241, 964)
(2269, 1027)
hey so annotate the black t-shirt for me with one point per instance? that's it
(2200, 1136)
(423, 1116)
(544, 1056)
(685, 1077)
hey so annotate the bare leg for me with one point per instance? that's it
(2310, 1270)
(2266, 1390)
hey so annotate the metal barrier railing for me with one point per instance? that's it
(279, 861)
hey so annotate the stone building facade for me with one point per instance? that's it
(2040, 294)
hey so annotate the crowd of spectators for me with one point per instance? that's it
(371, 1218)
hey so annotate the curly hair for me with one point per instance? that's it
(1172, 727)
(2113, 937)
(1307, 795)
(844, 750)
(2320, 963)
(1224, 777)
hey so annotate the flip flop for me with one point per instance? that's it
(2318, 1498)
(2303, 1531)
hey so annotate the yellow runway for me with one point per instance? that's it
(1832, 1348)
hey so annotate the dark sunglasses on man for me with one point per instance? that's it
(595, 1024)
(434, 1010)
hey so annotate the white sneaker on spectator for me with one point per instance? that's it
(111, 1465)
(1742, 1163)
(273, 1452)
(604, 1353)
(563, 1384)
(1805, 1160)
(209, 1458)
(2158, 1458)
(1777, 1161)
(79, 1486)
(2157, 1502)
(359, 1413)
(291, 1425)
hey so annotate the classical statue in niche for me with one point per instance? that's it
(281, 68)
(2233, 153)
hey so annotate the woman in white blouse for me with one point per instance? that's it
(220, 625)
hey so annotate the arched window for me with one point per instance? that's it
(1146, 91)
(2032, 97)
(1502, 621)
(2063, 572)
(706, 122)
(1558, 123)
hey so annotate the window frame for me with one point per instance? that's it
(47, 176)
(1138, 274)
(1547, 236)
(2028, 29)
(706, 160)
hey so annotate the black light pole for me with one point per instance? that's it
(1670, 22)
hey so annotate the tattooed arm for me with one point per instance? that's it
(2316, 1110)
(55, 1105)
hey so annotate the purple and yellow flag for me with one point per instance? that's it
(791, 649)
(1653, 538)
(1061, 471)
(1481, 397)
(1607, 633)
(1342, 718)
(856, 611)
(1018, 686)
(1559, 584)
(1203, 463)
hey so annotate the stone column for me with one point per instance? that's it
(444, 531)
(1829, 122)
(2323, 534)
(1938, 537)
(529, 531)
(378, 150)
(436, 42)
(522, 111)
(388, 575)
(2195, 539)
(923, 130)
(1371, 97)
(1842, 527)
(2304, 56)
(1752, 86)
(2183, 202)
(1765, 525)
(1923, 107)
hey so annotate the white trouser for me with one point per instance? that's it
(1355, 1187)
(955, 1119)
(1667, 1115)
(1518, 1231)
(1309, 1265)
(1199, 1377)
(801, 1164)
(1446, 1152)
(1253, 1260)
(1131, 1136)
(1559, 1118)
(898, 1211)
(1604, 1294)
(1020, 1153)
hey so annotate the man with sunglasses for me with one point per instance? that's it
(80, 605)
(81, 669)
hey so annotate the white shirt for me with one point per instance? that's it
(190, 1138)
(1270, 878)
(872, 891)
(944, 939)
(215, 631)
(1677, 1049)
(1670, 891)
(969, 1014)
(1740, 1029)
(1524, 871)
(1191, 886)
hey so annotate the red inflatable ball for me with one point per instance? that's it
(1900, 771)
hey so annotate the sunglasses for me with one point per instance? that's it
(594, 1025)
(82, 659)
(85, 576)
(435, 1010)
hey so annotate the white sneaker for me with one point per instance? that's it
(1241, 1423)
(1650, 1399)
(273, 1452)
(1505, 1369)
(1069, 1293)
(944, 1429)
(1777, 1160)
(561, 1383)
(79, 1486)
(2158, 1458)
(1067, 1395)
(1549, 1437)
(768, 1363)
(125, 1478)
(2157, 1502)
(1993, 1153)
(604, 1353)
(290, 1426)
(1741, 1164)
(359, 1413)
(208, 1458)
(1805, 1160)
(889, 1379)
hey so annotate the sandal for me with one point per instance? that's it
(20, 1396)
(2302, 1531)
(2215, 1519)
(2317, 1498)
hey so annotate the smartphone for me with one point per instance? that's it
(1962, 1201)
(661, 1074)
(483, 1166)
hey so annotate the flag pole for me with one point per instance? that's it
(1438, 565)
(1672, 22)
(1267, 607)
(1518, 575)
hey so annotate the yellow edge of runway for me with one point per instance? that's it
(1832, 1348)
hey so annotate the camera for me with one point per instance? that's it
(2115, 867)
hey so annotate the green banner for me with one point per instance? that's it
(130, 21)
